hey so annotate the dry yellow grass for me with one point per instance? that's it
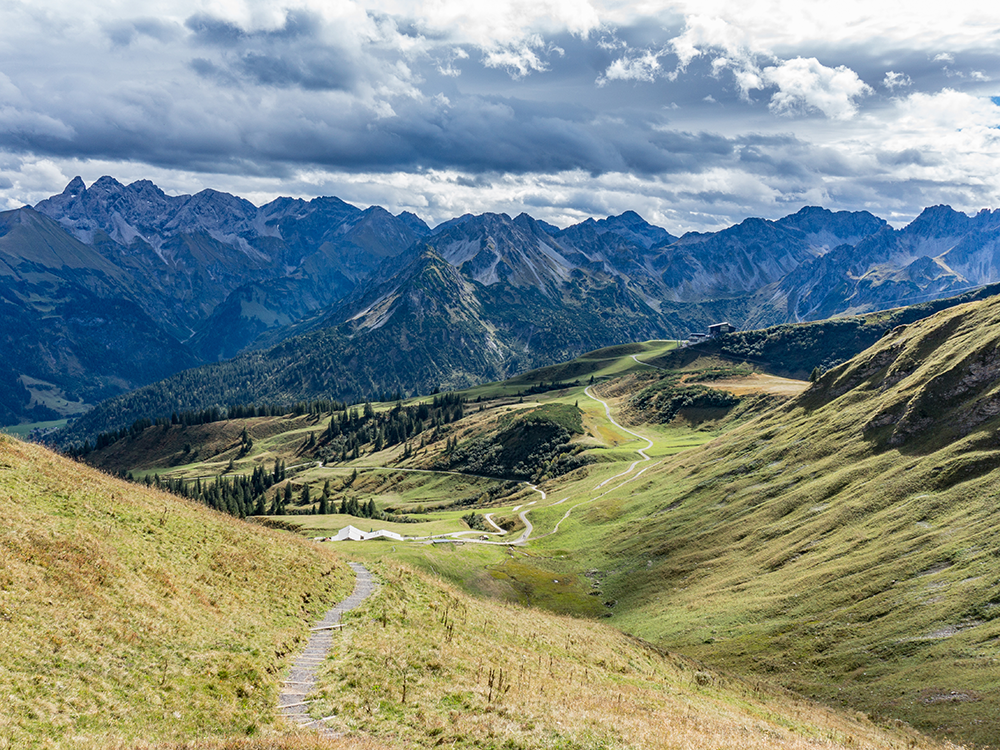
(424, 664)
(759, 383)
(306, 740)
(130, 614)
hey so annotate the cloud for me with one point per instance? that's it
(122, 33)
(519, 59)
(642, 66)
(805, 84)
(710, 104)
(703, 33)
(894, 80)
(448, 67)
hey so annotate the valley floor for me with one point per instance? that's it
(748, 534)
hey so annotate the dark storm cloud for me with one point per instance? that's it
(124, 33)
(214, 32)
(292, 55)
(318, 73)
(491, 134)
(910, 156)
(790, 158)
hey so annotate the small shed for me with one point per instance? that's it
(352, 534)
(720, 328)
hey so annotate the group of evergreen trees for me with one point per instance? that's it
(208, 416)
(351, 428)
(243, 496)
(239, 496)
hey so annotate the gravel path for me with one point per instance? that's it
(301, 679)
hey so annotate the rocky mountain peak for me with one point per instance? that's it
(938, 221)
(417, 225)
(74, 188)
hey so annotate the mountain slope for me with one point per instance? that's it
(128, 614)
(190, 252)
(132, 619)
(844, 542)
(355, 253)
(70, 324)
(941, 252)
(427, 327)
(745, 258)
(795, 350)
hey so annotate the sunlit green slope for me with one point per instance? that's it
(129, 614)
(844, 544)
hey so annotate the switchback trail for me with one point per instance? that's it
(640, 451)
(526, 535)
(301, 680)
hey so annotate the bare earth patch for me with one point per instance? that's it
(759, 383)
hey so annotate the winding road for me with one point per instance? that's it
(301, 680)
(526, 535)
(640, 451)
(529, 528)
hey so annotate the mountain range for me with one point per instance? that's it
(112, 287)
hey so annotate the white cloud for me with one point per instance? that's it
(510, 34)
(784, 25)
(805, 83)
(518, 59)
(894, 80)
(643, 66)
(703, 32)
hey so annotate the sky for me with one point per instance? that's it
(695, 114)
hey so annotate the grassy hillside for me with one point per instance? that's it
(424, 665)
(795, 350)
(128, 614)
(844, 543)
(840, 544)
(129, 619)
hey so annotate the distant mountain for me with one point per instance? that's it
(745, 258)
(72, 329)
(207, 277)
(114, 286)
(351, 255)
(941, 253)
(427, 327)
(191, 252)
